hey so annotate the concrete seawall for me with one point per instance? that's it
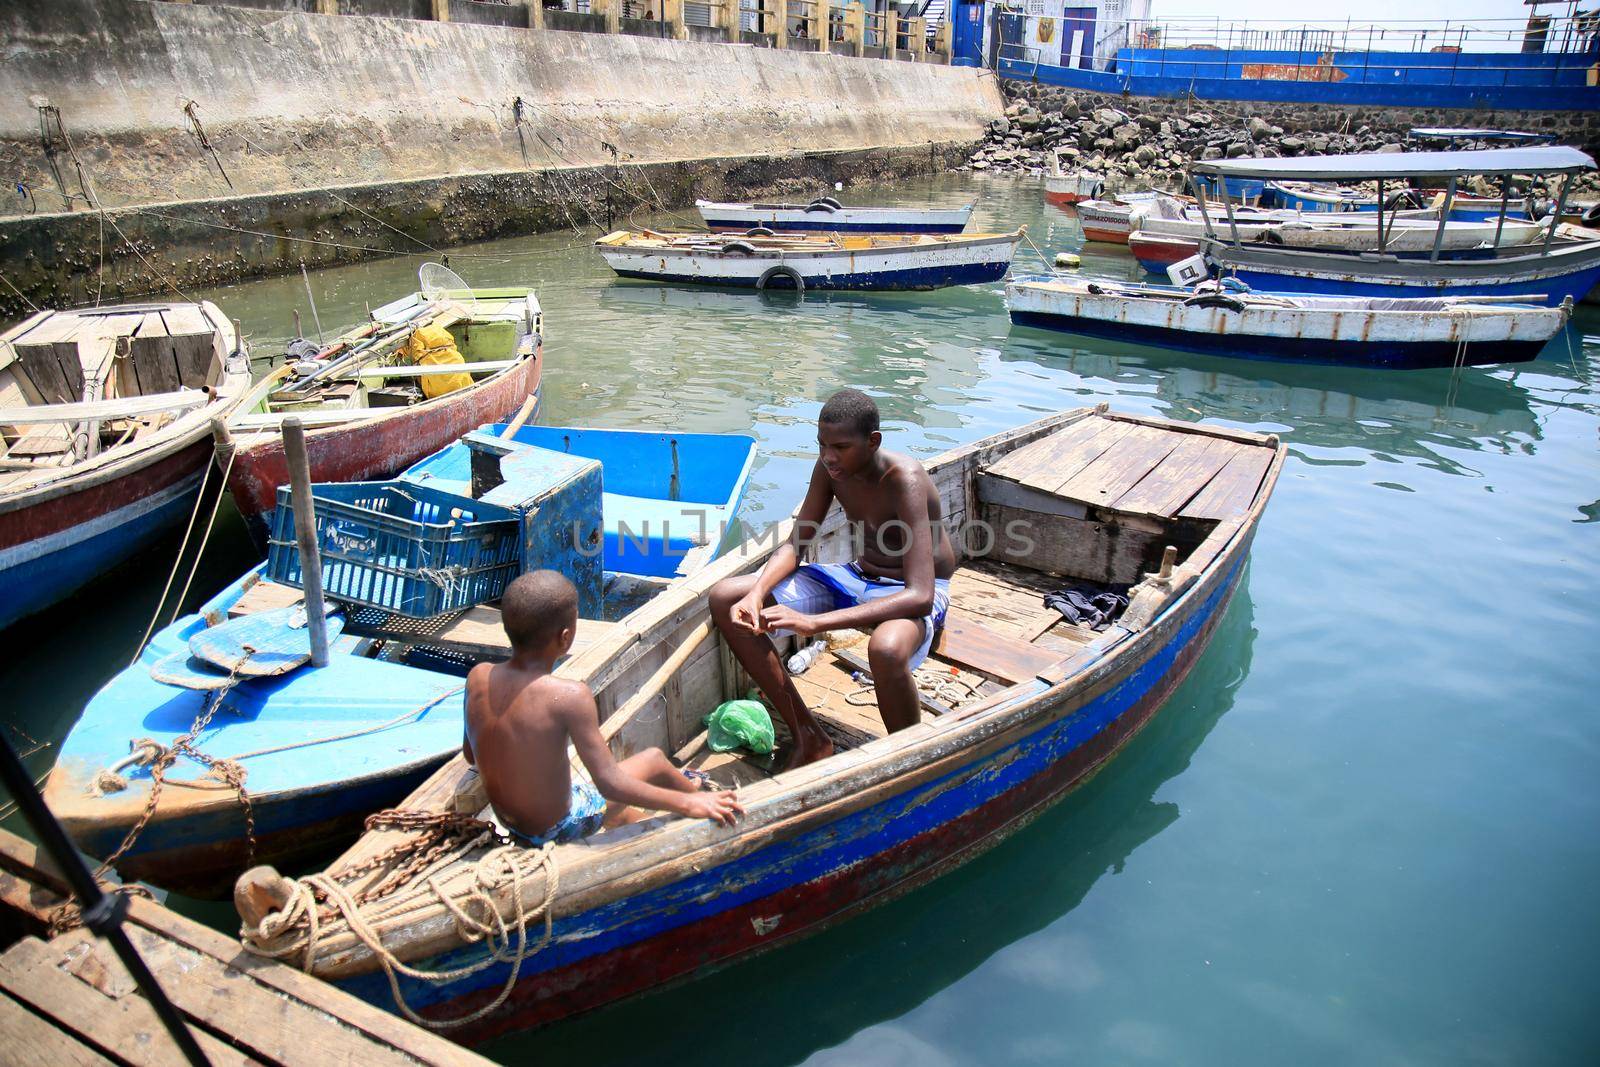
(182, 119)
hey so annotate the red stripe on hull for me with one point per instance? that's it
(1065, 199)
(1110, 237)
(1163, 251)
(813, 906)
(28, 523)
(379, 448)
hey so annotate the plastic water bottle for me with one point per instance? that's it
(800, 661)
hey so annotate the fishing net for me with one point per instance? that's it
(439, 283)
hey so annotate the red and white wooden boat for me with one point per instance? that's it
(365, 419)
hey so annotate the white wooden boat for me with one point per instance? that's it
(1066, 188)
(1359, 331)
(827, 215)
(1099, 497)
(105, 431)
(800, 262)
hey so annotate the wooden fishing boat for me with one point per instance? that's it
(1170, 507)
(831, 261)
(828, 215)
(366, 415)
(1065, 188)
(1323, 197)
(1110, 221)
(1565, 263)
(283, 767)
(105, 433)
(1353, 331)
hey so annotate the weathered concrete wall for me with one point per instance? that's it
(377, 114)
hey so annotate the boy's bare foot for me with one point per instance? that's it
(806, 749)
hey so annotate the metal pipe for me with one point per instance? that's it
(1383, 240)
(1561, 205)
(1444, 219)
(1505, 204)
(102, 912)
(1227, 204)
(305, 532)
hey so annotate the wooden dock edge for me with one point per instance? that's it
(70, 1000)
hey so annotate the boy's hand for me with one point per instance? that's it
(720, 807)
(747, 612)
(782, 617)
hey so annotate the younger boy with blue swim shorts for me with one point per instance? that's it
(521, 718)
(898, 586)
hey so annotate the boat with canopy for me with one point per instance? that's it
(1564, 263)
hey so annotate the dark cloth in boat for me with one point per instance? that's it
(1087, 604)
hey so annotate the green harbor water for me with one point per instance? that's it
(1366, 830)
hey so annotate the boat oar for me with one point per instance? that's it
(401, 327)
(524, 413)
(663, 674)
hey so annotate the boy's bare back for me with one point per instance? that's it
(519, 723)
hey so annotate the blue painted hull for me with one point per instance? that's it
(856, 860)
(1553, 290)
(86, 554)
(1390, 355)
(917, 278)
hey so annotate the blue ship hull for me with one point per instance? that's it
(1552, 291)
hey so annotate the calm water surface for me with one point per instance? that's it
(1367, 828)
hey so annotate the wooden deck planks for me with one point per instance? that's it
(114, 1022)
(970, 644)
(1233, 489)
(1047, 463)
(1120, 467)
(33, 1041)
(1179, 477)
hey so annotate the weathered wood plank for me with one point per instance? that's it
(1233, 489)
(1177, 478)
(1048, 462)
(1120, 467)
(125, 1027)
(31, 1041)
(116, 408)
(969, 644)
(1077, 548)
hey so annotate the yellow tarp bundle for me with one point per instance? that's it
(433, 346)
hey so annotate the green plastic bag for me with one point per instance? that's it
(740, 723)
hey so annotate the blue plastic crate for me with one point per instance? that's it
(401, 546)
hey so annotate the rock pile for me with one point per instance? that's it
(1133, 148)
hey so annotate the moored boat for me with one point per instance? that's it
(828, 215)
(277, 761)
(1564, 263)
(370, 409)
(1351, 331)
(1065, 188)
(1100, 497)
(800, 262)
(105, 437)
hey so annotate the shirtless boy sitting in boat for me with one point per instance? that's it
(899, 587)
(520, 717)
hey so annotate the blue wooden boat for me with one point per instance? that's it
(1565, 264)
(1099, 497)
(319, 749)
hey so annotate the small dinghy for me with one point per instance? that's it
(796, 262)
(1064, 187)
(266, 759)
(381, 396)
(1353, 331)
(1020, 707)
(105, 437)
(828, 215)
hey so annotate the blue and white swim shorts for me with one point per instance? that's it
(815, 588)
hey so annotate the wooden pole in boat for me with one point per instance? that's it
(1444, 218)
(1561, 205)
(305, 532)
(223, 441)
(524, 413)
